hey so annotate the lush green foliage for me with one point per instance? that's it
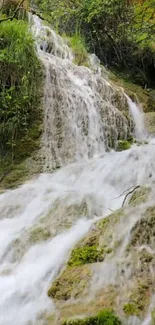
(121, 33)
(84, 255)
(77, 43)
(104, 317)
(107, 317)
(20, 78)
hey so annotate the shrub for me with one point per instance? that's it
(78, 46)
(84, 255)
(20, 81)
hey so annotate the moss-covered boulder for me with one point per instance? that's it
(126, 238)
(71, 283)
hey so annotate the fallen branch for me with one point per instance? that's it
(135, 188)
(117, 197)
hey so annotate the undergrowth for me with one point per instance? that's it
(78, 45)
(20, 93)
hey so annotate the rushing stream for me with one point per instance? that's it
(94, 178)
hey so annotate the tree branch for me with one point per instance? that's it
(14, 14)
(135, 188)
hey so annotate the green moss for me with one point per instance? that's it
(14, 177)
(140, 297)
(104, 317)
(85, 255)
(111, 220)
(107, 317)
(103, 223)
(71, 283)
(130, 309)
(123, 145)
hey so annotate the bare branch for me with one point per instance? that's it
(135, 188)
(14, 14)
(117, 197)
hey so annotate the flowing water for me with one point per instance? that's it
(138, 117)
(42, 220)
(83, 108)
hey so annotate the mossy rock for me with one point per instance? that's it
(104, 317)
(134, 91)
(140, 196)
(108, 227)
(140, 297)
(94, 247)
(144, 230)
(110, 221)
(151, 102)
(71, 283)
(123, 145)
(150, 122)
(130, 309)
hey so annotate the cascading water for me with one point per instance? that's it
(83, 112)
(138, 117)
(42, 220)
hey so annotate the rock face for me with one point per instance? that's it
(113, 266)
(150, 122)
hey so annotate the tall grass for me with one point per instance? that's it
(20, 79)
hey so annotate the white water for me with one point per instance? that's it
(138, 117)
(83, 111)
(27, 268)
(26, 272)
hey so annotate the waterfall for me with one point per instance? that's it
(138, 117)
(42, 220)
(84, 112)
